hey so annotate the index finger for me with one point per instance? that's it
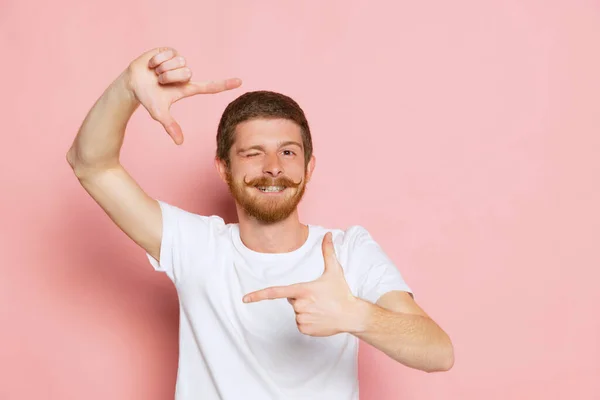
(274, 292)
(193, 88)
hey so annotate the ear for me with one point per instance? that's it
(221, 167)
(310, 168)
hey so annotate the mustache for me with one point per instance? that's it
(265, 181)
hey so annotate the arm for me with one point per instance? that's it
(94, 157)
(397, 326)
(155, 80)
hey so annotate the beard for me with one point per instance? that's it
(262, 206)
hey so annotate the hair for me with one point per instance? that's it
(260, 104)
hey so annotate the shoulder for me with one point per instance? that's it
(186, 220)
(346, 240)
(351, 237)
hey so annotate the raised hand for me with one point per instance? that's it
(160, 77)
(323, 307)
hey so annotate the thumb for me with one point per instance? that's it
(165, 118)
(171, 126)
(331, 262)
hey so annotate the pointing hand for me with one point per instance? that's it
(323, 307)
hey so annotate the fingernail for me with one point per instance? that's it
(245, 299)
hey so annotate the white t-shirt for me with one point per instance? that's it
(230, 350)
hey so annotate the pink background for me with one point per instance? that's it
(464, 135)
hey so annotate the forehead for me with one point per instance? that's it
(266, 132)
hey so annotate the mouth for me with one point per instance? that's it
(271, 189)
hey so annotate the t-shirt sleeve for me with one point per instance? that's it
(378, 274)
(185, 237)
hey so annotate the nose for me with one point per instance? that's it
(272, 166)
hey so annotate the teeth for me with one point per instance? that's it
(271, 188)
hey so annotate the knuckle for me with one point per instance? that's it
(156, 112)
(304, 329)
(299, 306)
(308, 294)
(155, 116)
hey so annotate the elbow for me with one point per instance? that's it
(70, 158)
(448, 362)
(445, 360)
(74, 161)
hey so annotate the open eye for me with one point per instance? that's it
(288, 153)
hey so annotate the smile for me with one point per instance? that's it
(271, 189)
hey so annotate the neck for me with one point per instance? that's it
(279, 237)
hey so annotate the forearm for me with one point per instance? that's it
(100, 137)
(413, 340)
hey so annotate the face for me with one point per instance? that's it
(267, 175)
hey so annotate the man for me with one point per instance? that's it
(327, 287)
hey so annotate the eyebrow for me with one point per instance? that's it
(261, 148)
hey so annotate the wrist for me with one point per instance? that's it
(124, 85)
(359, 316)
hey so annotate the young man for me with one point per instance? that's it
(326, 288)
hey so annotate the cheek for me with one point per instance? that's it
(249, 168)
(252, 169)
(241, 170)
(296, 171)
